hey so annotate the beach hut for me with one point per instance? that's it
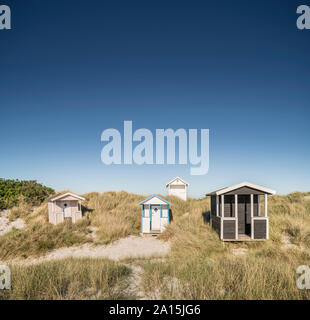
(63, 207)
(154, 214)
(240, 212)
(177, 187)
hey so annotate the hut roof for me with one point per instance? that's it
(60, 196)
(177, 178)
(154, 196)
(240, 185)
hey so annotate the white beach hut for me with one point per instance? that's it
(154, 214)
(177, 187)
(64, 206)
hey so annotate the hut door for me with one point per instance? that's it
(241, 214)
(67, 211)
(155, 218)
(244, 214)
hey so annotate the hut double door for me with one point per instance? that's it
(244, 214)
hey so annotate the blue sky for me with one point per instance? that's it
(70, 70)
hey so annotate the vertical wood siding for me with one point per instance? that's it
(213, 205)
(216, 224)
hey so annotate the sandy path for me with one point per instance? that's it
(135, 286)
(130, 247)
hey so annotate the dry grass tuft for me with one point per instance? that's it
(115, 214)
(67, 279)
(206, 268)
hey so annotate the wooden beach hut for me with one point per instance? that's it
(154, 214)
(177, 187)
(64, 206)
(240, 212)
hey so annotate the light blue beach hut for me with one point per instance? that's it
(155, 214)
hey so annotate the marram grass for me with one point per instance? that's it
(199, 265)
(68, 279)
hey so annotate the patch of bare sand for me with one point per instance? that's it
(131, 247)
(287, 243)
(6, 225)
(239, 251)
(135, 283)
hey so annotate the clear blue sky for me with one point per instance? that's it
(70, 69)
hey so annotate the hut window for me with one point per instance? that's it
(164, 211)
(146, 211)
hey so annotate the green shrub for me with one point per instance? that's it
(11, 191)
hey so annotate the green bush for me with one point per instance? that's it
(11, 191)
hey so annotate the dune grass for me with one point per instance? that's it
(290, 215)
(67, 279)
(200, 266)
(113, 215)
(38, 239)
(255, 276)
